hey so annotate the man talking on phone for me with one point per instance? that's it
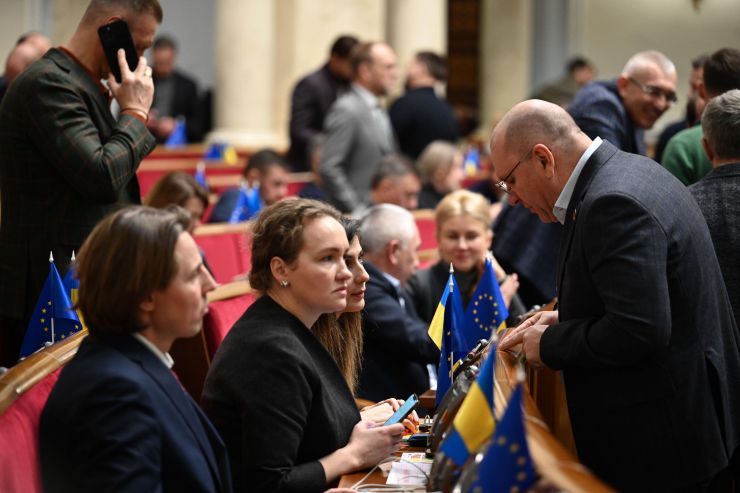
(65, 161)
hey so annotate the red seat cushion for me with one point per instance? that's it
(221, 316)
(19, 435)
(228, 254)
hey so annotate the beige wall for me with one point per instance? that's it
(671, 26)
(12, 17)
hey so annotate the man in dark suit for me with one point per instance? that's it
(717, 193)
(397, 348)
(65, 162)
(175, 95)
(644, 333)
(619, 110)
(313, 96)
(117, 418)
(358, 130)
(419, 117)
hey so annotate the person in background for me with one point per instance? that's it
(65, 161)
(440, 168)
(578, 73)
(308, 432)
(694, 106)
(313, 190)
(175, 95)
(420, 117)
(178, 188)
(397, 346)
(117, 419)
(620, 110)
(717, 193)
(358, 131)
(684, 155)
(395, 182)
(313, 96)
(341, 333)
(265, 169)
(464, 238)
(30, 47)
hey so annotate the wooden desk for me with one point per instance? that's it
(349, 480)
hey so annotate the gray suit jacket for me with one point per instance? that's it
(717, 194)
(646, 339)
(355, 143)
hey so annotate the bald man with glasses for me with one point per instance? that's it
(621, 109)
(644, 333)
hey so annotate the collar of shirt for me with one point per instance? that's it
(165, 358)
(367, 96)
(96, 80)
(561, 205)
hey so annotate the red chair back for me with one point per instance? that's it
(24, 390)
(427, 228)
(226, 249)
(222, 315)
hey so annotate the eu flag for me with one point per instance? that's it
(248, 204)
(486, 313)
(53, 319)
(178, 137)
(507, 465)
(200, 175)
(452, 348)
(474, 422)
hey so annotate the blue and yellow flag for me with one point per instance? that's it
(452, 348)
(248, 204)
(507, 465)
(486, 313)
(435, 328)
(474, 422)
(72, 285)
(53, 318)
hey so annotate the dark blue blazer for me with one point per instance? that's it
(397, 346)
(599, 111)
(118, 420)
(646, 339)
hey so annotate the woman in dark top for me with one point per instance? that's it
(441, 171)
(275, 394)
(464, 237)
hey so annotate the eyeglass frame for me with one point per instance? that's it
(501, 184)
(654, 91)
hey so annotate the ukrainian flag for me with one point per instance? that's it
(436, 327)
(452, 349)
(72, 286)
(507, 465)
(486, 313)
(474, 422)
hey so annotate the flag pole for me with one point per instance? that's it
(51, 315)
(452, 288)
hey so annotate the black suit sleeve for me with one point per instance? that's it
(599, 122)
(303, 112)
(626, 266)
(402, 334)
(122, 449)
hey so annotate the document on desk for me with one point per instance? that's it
(413, 468)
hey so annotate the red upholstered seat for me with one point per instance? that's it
(226, 249)
(221, 316)
(19, 435)
(24, 390)
(427, 228)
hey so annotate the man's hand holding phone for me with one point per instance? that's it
(136, 90)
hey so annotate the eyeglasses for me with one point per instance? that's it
(501, 184)
(655, 92)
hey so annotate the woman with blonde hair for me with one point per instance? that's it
(464, 238)
(440, 168)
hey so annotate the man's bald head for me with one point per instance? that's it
(21, 57)
(536, 122)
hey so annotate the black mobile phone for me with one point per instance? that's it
(113, 37)
(403, 411)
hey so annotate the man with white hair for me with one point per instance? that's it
(619, 110)
(397, 347)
